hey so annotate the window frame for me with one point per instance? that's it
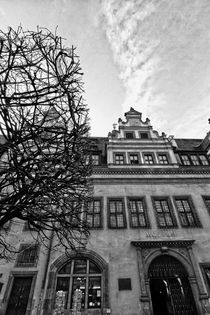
(99, 159)
(122, 154)
(205, 197)
(151, 154)
(100, 199)
(163, 154)
(206, 157)
(86, 275)
(197, 160)
(204, 266)
(182, 160)
(123, 213)
(129, 132)
(138, 156)
(193, 211)
(198, 156)
(171, 211)
(143, 199)
(144, 132)
(21, 264)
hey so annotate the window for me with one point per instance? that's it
(163, 158)
(207, 202)
(164, 213)
(144, 135)
(116, 214)
(134, 158)
(187, 216)
(138, 214)
(94, 214)
(205, 268)
(129, 135)
(95, 159)
(203, 159)
(27, 256)
(119, 158)
(148, 158)
(185, 159)
(80, 281)
(194, 159)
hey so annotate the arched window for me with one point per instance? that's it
(79, 281)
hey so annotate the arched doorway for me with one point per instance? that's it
(170, 289)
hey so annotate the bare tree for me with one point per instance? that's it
(44, 176)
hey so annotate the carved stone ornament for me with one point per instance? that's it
(146, 252)
(162, 244)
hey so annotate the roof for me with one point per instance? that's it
(188, 144)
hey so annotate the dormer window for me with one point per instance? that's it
(195, 159)
(185, 159)
(129, 135)
(203, 159)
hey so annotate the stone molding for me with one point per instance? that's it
(59, 262)
(162, 244)
(147, 251)
(156, 171)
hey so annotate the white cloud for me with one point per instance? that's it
(162, 49)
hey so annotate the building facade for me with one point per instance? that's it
(149, 247)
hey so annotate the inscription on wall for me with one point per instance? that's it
(154, 235)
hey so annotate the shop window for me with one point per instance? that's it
(207, 202)
(134, 158)
(163, 158)
(148, 158)
(79, 281)
(205, 268)
(138, 213)
(94, 214)
(186, 211)
(116, 214)
(119, 158)
(164, 212)
(28, 255)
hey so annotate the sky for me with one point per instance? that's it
(153, 55)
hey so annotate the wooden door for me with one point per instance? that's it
(18, 300)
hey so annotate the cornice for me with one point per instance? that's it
(160, 244)
(156, 171)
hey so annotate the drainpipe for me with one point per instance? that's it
(40, 305)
